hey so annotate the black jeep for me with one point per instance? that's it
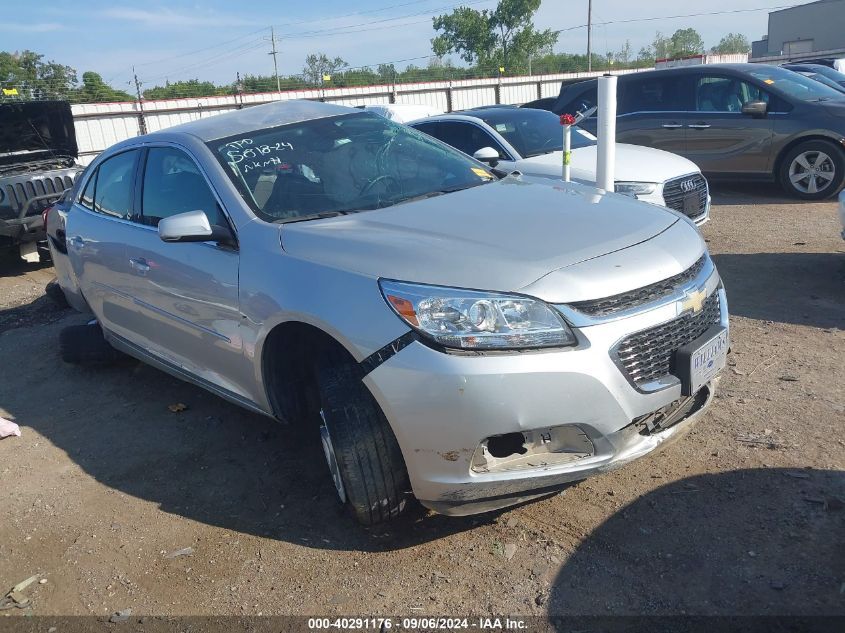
(37, 164)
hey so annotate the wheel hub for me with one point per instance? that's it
(812, 171)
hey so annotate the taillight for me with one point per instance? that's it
(44, 215)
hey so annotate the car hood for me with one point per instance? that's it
(32, 130)
(499, 236)
(634, 163)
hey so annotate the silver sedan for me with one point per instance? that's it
(469, 340)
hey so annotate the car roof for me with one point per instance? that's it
(254, 118)
(463, 115)
(678, 70)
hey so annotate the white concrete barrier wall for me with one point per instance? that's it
(100, 125)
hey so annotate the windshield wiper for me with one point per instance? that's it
(312, 216)
(440, 192)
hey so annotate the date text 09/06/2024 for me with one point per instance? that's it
(418, 623)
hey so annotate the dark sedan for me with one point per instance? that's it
(738, 121)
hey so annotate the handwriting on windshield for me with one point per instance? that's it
(249, 165)
(245, 149)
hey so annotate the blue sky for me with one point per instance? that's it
(215, 39)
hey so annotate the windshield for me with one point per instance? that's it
(794, 85)
(341, 164)
(822, 79)
(533, 132)
(828, 72)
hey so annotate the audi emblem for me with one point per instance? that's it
(687, 186)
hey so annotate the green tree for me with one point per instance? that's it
(504, 36)
(35, 78)
(189, 88)
(319, 64)
(625, 54)
(94, 89)
(732, 43)
(686, 42)
(661, 46)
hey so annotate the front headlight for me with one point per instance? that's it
(469, 319)
(635, 188)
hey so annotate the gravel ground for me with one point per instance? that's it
(742, 516)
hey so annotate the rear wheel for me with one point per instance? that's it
(813, 170)
(362, 454)
(85, 345)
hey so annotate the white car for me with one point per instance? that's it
(402, 112)
(531, 141)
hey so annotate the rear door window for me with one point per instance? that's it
(653, 94)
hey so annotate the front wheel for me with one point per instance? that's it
(813, 170)
(362, 453)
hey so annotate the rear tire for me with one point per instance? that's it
(85, 345)
(813, 170)
(368, 470)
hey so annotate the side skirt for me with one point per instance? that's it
(144, 356)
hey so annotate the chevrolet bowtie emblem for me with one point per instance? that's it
(693, 301)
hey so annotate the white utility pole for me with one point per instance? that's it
(606, 133)
(589, 35)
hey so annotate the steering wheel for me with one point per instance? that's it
(377, 180)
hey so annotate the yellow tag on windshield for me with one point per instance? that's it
(769, 81)
(481, 173)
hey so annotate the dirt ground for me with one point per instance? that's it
(742, 516)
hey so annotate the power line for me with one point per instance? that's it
(340, 30)
(673, 17)
(201, 50)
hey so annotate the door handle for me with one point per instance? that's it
(672, 126)
(139, 265)
(76, 242)
(699, 126)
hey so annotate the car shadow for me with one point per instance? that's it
(40, 311)
(800, 288)
(692, 547)
(728, 192)
(13, 266)
(214, 462)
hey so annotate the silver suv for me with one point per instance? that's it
(472, 340)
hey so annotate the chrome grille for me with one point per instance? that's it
(648, 355)
(640, 296)
(675, 190)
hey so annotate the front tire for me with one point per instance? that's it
(813, 170)
(362, 453)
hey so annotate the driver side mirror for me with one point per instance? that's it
(755, 108)
(192, 226)
(487, 155)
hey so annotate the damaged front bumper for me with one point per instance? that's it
(480, 432)
(618, 449)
